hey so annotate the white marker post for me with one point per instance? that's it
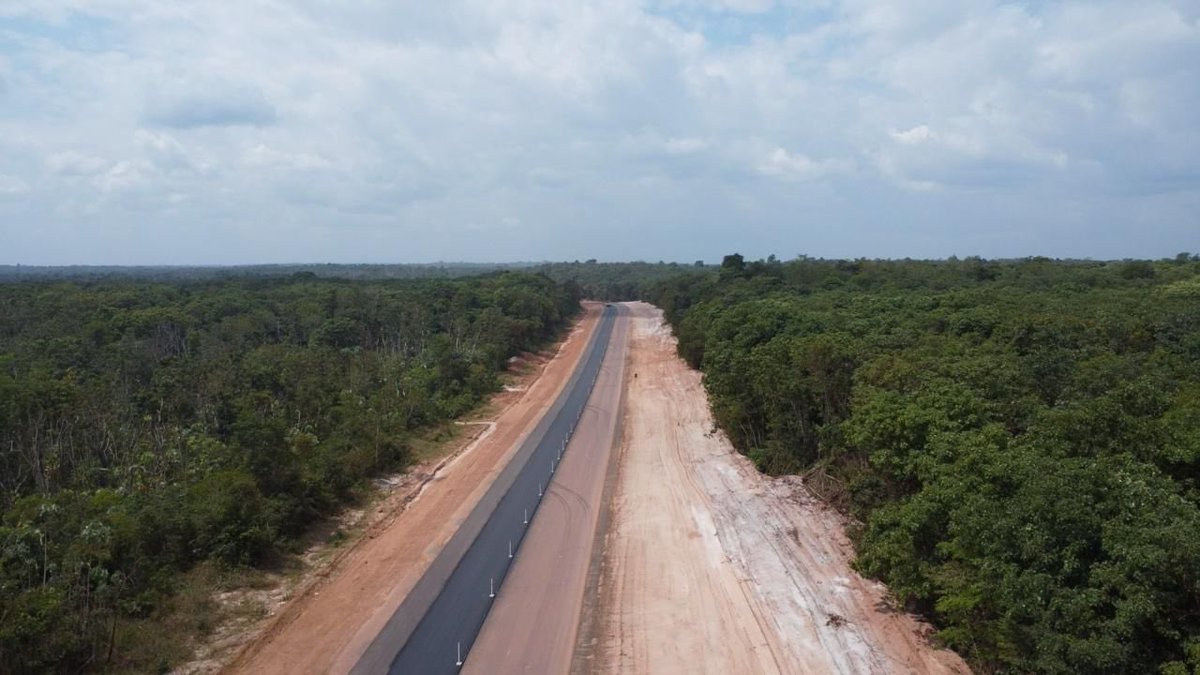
(492, 588)
(539, 489)
(459, 661)
(510, 549)
(526, 516)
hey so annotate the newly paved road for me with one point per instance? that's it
(534, 625)
(446, 631)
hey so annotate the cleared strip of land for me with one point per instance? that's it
(327, 628)
(710, 567)
(532, 626)
(436, 625)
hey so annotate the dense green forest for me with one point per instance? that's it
(170, 273)
(147, 428)
(598, 280)
(1019, 441)
(617, 281)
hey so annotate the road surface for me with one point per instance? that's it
(329, 624)
(533, 626)
(465, 583)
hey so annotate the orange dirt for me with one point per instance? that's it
(532, 627)
(328, 626)
(711, 567)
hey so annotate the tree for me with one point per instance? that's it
(732, 266)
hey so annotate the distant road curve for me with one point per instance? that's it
(433, 630)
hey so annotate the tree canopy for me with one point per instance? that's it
(1020, 440)
(147, 427)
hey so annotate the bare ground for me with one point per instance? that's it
(711, 567)
(322, 618)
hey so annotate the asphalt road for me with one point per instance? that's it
(533, 626)
(447, 630)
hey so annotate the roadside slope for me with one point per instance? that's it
(327, 628)
(710, 567)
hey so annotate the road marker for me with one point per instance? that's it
(526, 516)
(510, 549)
(539, 489)
(492, 587)
(459, 661)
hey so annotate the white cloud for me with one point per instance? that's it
(914, 136)
(740, 6)
(577, 119)
(124, 175)
(12, 185)
(262, 155)
(166, 154)
(72, 163)
(213, 105)
(793, 166)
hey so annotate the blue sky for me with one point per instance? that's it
(136, 132)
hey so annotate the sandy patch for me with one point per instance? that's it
(711, 567)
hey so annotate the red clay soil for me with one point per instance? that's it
(328, 626)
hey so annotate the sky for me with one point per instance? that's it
(261, 131)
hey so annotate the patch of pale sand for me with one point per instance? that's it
(712, 567)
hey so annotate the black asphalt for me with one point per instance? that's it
(442, 639)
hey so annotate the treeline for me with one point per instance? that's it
(1019, 440)
(146, 428)
(617, 281)
(596, 280)
(175, 273)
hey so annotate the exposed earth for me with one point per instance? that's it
(702, 564)
(711, 567)
(332, 621)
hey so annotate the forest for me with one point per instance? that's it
(1017, 443)
(174, 273)
(147, 428)
(618, 281)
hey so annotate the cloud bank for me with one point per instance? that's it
(264, 131)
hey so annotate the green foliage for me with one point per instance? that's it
(1020, 440)
(618, 281)
(148, 428)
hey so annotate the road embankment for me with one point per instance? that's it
(435, 627)
(328, 627)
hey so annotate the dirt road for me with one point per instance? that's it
(328, 628)
(532, 627)
(709, 567)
